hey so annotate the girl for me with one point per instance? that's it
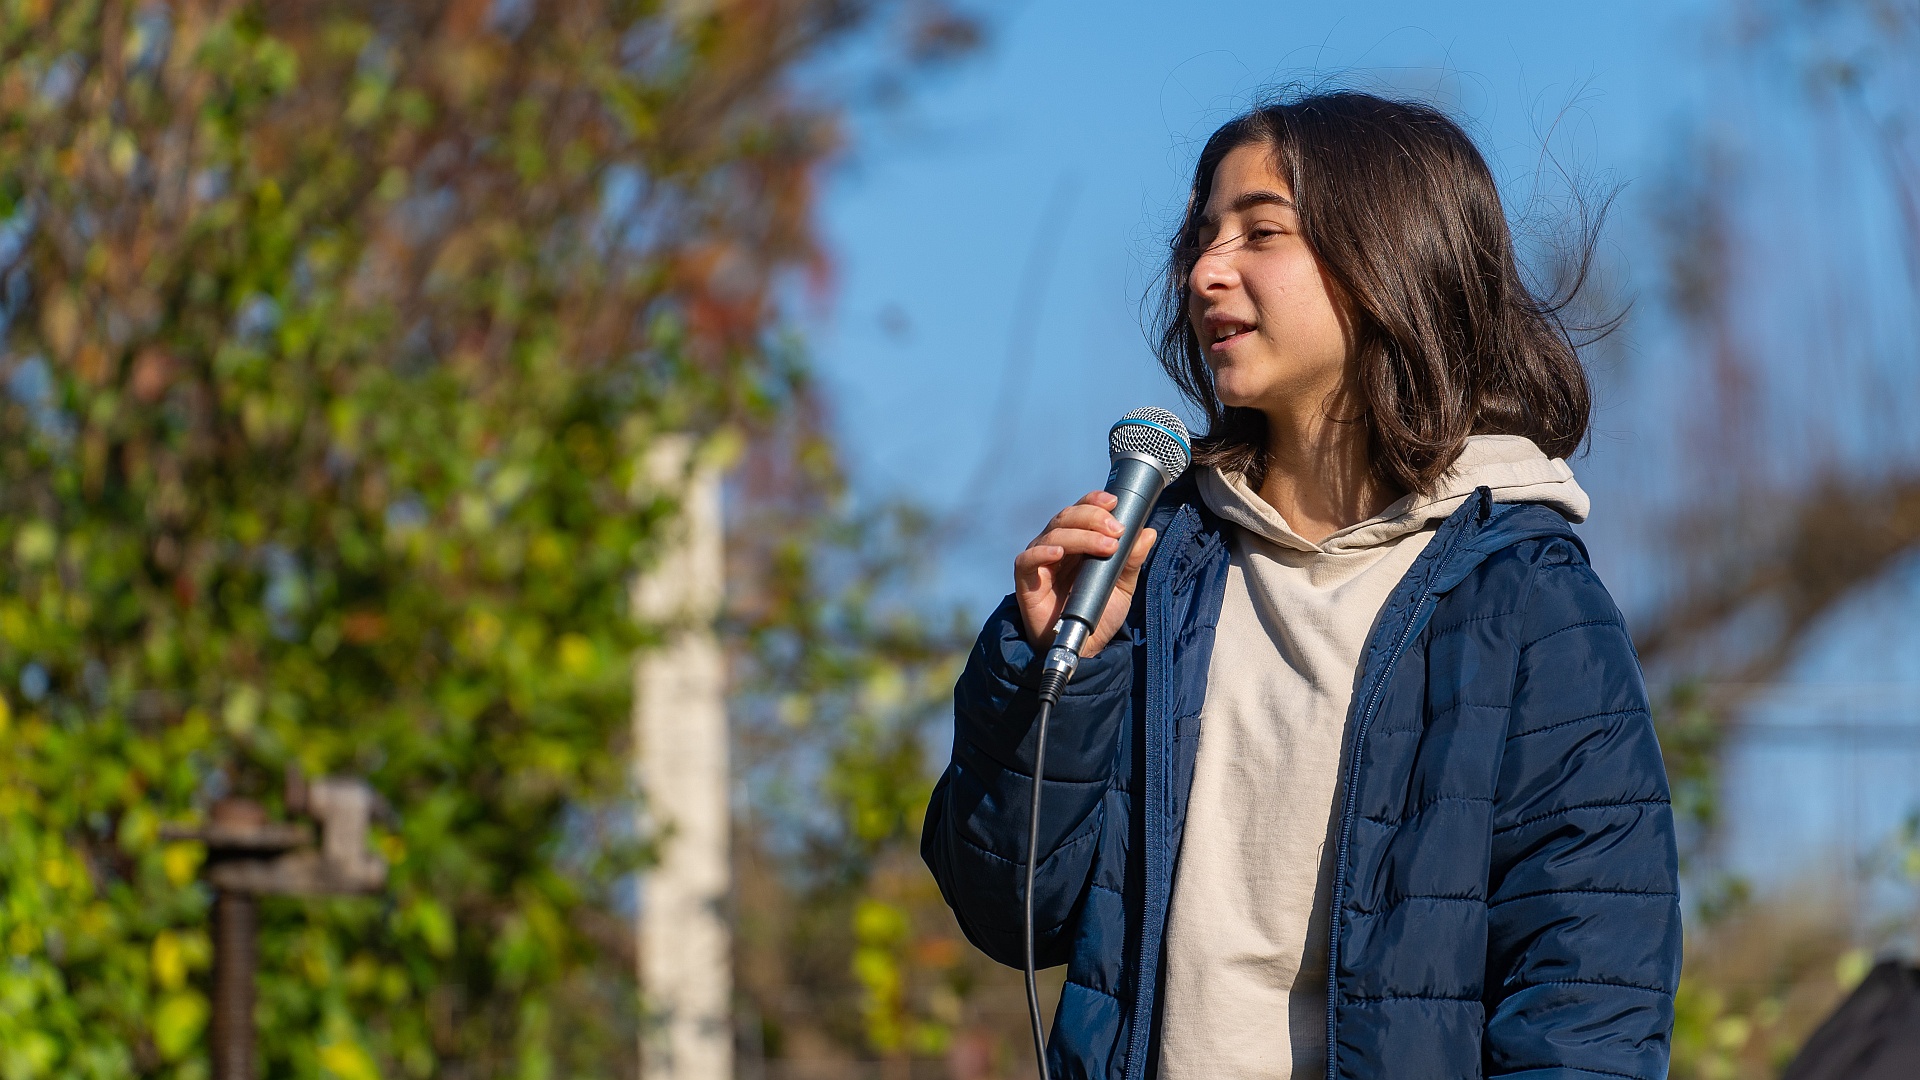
(1358, 777)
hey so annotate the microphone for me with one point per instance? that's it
(1149, 449)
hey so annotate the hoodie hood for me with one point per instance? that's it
(1510, 466)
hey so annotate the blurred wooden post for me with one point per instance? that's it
(249, 856)
(680, 737)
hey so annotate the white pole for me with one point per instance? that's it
(680, 735)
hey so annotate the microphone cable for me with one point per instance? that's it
(1052, 683)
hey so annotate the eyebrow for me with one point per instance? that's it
(1246, 201)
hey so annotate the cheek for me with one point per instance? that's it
(1294, 303)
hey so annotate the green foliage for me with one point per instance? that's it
(335, 331)
(1691, 738)
(1757, 982)
(1709, 1033)
(846, 680)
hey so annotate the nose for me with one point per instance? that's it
(1212, 272)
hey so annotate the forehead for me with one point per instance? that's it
(1246, 177)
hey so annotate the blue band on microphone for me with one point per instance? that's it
(1176, 436)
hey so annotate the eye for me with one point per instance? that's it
(1262, 232)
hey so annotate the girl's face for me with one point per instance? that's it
(1271, 323)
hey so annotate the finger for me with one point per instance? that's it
(1036, 575)
(1081, 542)
(1092, 507)
(1137, 558)
(1083, 516)
(1142, 545)
(1035, 584)
(1037, 556)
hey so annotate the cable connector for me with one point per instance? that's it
(1056, 672)
(1062, 660)
(1053, 683)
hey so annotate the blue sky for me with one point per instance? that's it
(994, 238)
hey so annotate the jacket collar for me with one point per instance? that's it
(1484, 527)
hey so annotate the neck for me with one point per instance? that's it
(1319, 475)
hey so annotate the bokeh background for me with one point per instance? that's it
(335, 333)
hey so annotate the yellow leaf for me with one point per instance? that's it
(242, 711)
(576, 654)
(181, 861)
(24, 939)
(32, 1053)
(346, 1060)
(122, 153)
(35, 543)
(879, 923)
(546, 551)
(876, 970)
(177, 1024)
(139, 827)
(1852, 967)
(169, 961)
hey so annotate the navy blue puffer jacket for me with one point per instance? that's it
(1505, 897)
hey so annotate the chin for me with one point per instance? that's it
(1234, 397)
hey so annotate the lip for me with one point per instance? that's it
(1226, 343)
(1216, 321)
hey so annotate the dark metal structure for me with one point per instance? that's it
(249, 856)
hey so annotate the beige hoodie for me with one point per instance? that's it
(1246, 961)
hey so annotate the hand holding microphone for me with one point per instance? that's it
(1099, 544)
(1045, 571)
(1077, 578)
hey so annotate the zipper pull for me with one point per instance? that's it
(1486, 502)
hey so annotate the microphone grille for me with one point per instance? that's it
(1156, 433)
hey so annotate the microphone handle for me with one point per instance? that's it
(1136, 481)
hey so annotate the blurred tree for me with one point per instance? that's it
(334, 331)
(1795, 519)
(844, 947)
(1790, 519)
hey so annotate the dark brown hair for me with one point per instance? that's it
(1402, 211)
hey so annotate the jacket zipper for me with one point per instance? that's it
(1353, 794)
(1155, 781)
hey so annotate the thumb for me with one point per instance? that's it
(1137, 558)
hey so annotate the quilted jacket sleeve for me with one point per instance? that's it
(1583, 943)
(975, 837)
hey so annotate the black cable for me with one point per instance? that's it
(1051, 684)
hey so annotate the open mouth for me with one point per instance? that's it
(1224, 334)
